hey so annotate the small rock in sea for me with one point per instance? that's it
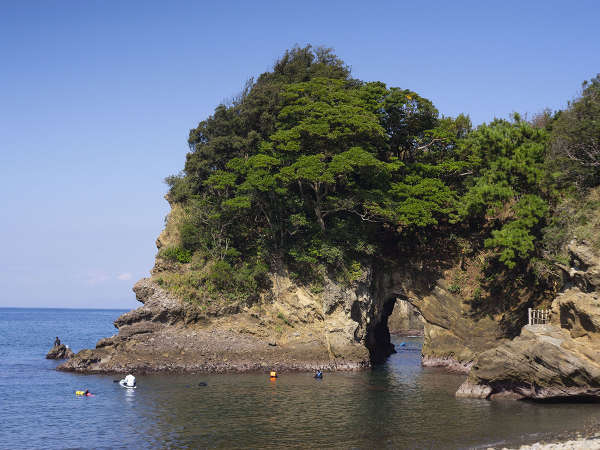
(60, 352)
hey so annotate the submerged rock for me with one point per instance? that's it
(60, 352)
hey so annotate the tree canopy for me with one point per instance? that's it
(317, 171)
(575, 145)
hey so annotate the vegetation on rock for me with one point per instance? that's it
(314, 171)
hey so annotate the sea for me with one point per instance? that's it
(396, 405)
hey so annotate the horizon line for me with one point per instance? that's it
(62, 307)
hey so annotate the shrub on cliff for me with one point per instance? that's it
(176, 254)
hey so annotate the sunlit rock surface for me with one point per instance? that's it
(553, 361)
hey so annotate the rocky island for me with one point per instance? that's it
(60, 351)
(317, 213)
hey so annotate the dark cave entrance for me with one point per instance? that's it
(398, 316)
(378, 336)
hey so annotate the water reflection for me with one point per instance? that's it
(129, 395)
(398, 405)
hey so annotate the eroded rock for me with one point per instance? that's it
(341, 328)
(406, 319)
(287, 332)
(553, 361)
(60, 352)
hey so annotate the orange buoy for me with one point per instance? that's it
(273, 374)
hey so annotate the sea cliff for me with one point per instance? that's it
(314, 202)
(291, 327)
(345, 327)
(555, 360)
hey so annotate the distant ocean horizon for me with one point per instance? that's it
(64, 307)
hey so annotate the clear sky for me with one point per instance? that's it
(97, 98)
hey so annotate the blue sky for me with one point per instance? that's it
(97, 98)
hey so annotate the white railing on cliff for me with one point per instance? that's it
(539, 316)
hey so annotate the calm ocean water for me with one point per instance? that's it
(398, 405)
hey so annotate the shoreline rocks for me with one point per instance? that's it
(554, 361)
(343, 328)
(448, 363)
(573, 444)
(165, 335)
(192, 350)
(344, 325)
(60, 352)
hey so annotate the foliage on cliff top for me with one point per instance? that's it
(575, 146)
(311, 169)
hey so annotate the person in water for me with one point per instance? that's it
(87, 393)
(319, 374)
(56, 342)
(130, 380)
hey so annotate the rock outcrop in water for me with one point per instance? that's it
(292, 332)
(552, 361)
(289, 328)
(60, 352)
(345, 327)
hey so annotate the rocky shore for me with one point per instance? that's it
(60, 352)
(341, 326)
(588, 438)
(166, 335)
(346, 326)
(553, 361)
(573, 444)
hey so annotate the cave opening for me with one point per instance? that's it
(398, 316)
(378, 336)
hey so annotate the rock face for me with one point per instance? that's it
(553, 361)
(452, 335)
(347, 326)
(341, 328)
(406, 320)
(290, 333)
(344, 327)
(60, 352)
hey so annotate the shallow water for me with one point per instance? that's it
(397, 405)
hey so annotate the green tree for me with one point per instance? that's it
(507, 185)
(406, 118)
(328, 136)
(311, 169)
(576, 137)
